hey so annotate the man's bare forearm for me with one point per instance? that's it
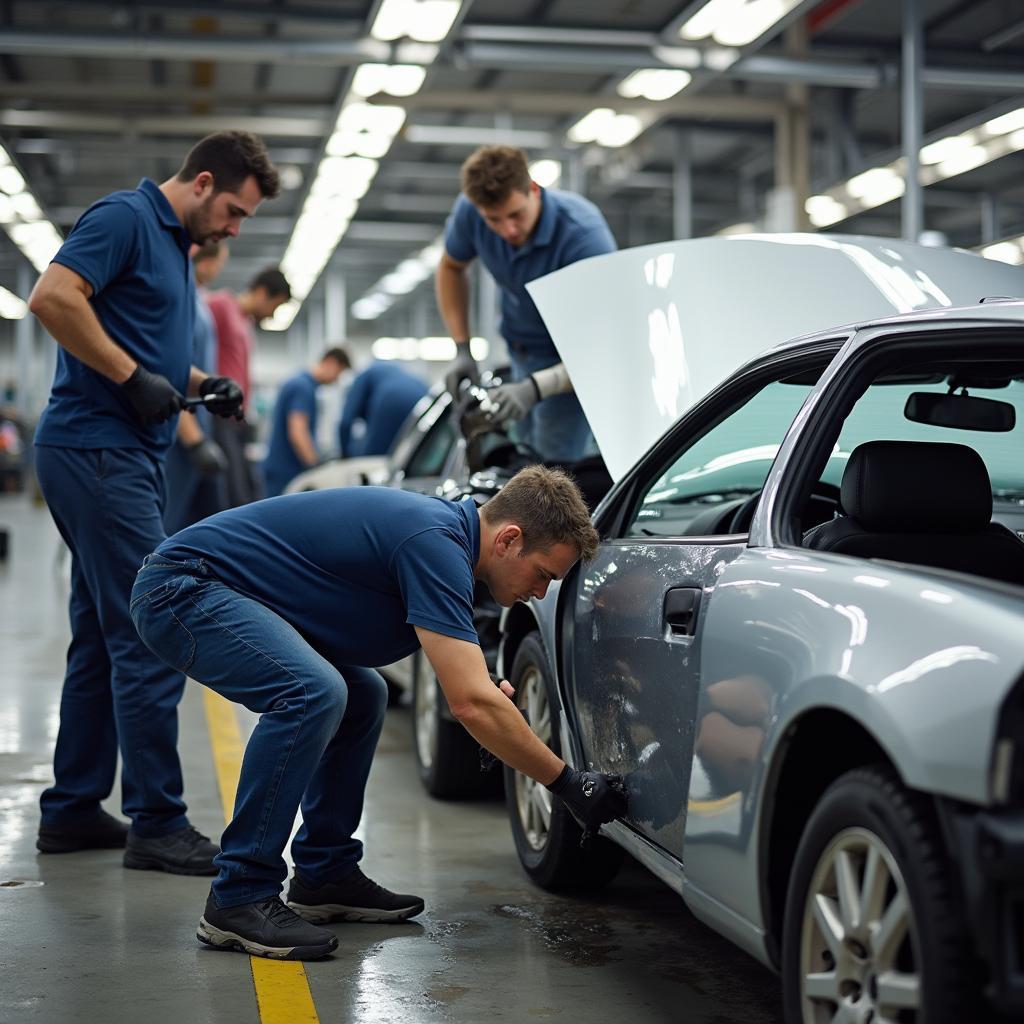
(452, 289)
(69, 318)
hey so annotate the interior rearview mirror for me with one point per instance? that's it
(962, 412)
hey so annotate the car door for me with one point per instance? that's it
(635, 613)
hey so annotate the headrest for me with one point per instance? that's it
(917, 486)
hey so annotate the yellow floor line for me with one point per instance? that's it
(282, 988)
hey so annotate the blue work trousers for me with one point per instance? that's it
(313, 743)
(108, 506)
(555, 428)
(190, 495)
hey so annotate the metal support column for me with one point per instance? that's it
(28, 401)
(335, 321)
(991, 229)
(682, 186)
(912, 110)
(487, 312)
(315, 338)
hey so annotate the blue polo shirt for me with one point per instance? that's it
(382, 396)
(133, 251)
(353, 569)
(282, 464)
(570, 228)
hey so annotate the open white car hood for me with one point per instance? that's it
(647, 332)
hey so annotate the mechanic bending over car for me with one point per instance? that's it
(282, 606)
(521, 232)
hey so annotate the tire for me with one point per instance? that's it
(546, 835)
(447, 757)
(866, 827)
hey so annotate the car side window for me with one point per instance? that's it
(706, 481)
(429, 457)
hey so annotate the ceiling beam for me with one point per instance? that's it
(192, 126)
(122, 94)
(216, 48)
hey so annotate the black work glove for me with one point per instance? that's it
(593, 798)
(463, 367)
(154, 398)
(228, 396)
(207, 457)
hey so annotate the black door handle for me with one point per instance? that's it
(680, 611)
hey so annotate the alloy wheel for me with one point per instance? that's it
(859, 948)
(426, 716)
(533, 801)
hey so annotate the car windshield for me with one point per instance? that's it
(879, 415)
(730, 461)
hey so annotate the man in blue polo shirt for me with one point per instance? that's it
(520, 232)
(286, 606)
(292, 446)
(119, 298)
(382, 396)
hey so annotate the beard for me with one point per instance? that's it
(199, 223)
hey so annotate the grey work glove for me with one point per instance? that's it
(154, 398)
(593, 798)
(512, 401)
(464, 367)
(227, 397)
(207, 457)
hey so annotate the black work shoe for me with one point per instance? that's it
(102, 832)
(354, 898)
(185, 852)
(265, 928)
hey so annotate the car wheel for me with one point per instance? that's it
(872, 931)
(447, 757)
(546, 835)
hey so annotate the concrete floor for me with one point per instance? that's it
(83, 940)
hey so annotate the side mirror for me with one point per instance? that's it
(961, 412)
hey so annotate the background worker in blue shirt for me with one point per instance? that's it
(520, 232)
(292, 446)
(285, 606)
(119, 299)
(195, 462)
(381, 396)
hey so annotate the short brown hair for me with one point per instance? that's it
(273, 282)
(231, 157)
(492, 173)
(547, 506)
(339, 355)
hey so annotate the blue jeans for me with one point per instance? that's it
(108, 505)
(555, 427)
(312, 745)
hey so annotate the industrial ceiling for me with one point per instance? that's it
(94, 96)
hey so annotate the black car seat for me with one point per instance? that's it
(921, 502)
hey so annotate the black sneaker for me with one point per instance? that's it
(266, 928)
(185, 852)
(354, 898)
(102, 832)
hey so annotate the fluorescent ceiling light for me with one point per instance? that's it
(824, 210)
(603, 126)
(545, 172)
(678, 56)
(11, 180)
(654, 83)
(367, 117)
(12, 307)
(963, 161)
(1010, 122)
(426, 21)
(877, 186)
(393, 79)
(283, 316)
(735, 22)
(946, 149)
(1010, 251)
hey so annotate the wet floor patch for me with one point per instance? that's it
(577, 938)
